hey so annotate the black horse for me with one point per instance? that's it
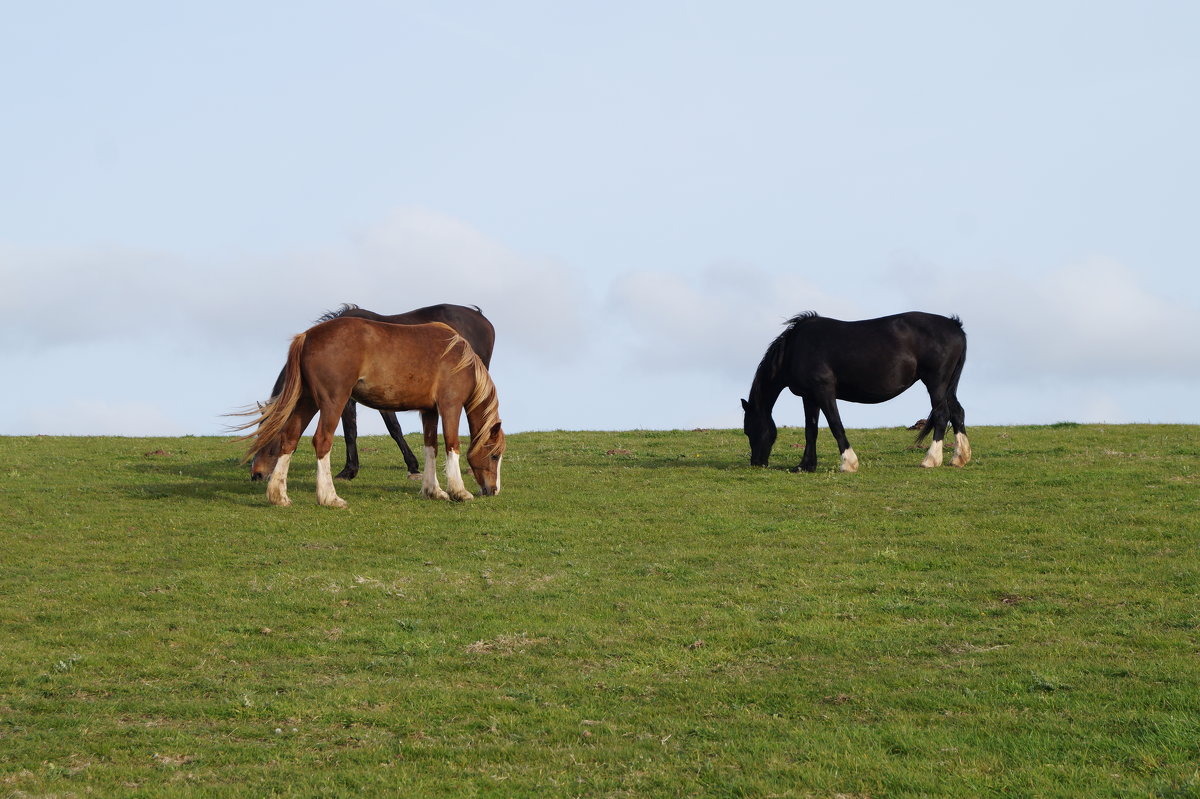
(823, 360)
(470, 323)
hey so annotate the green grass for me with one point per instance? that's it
(664, 621)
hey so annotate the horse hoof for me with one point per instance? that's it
(336, 502)
(415, 476)
(439, 494)
(462, 496)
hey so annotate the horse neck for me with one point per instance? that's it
(765, 389)
(481, 406)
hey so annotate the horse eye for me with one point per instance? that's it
(495, 457)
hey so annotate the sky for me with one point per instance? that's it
(637, 194)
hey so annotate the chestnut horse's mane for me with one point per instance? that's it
(483, 396)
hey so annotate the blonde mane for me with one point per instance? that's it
(483, 395)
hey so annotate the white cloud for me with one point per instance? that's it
(104, 324)
(1090, 320)
(56, 298)
(722, 319)
(537, 303)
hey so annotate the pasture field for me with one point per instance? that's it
(637, 614)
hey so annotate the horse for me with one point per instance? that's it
(428, 368)
(470, 323)
(823, 360)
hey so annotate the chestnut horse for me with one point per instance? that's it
(824, 360)
(427, 368)
(468, 322)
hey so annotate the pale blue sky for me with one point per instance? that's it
(638, 195)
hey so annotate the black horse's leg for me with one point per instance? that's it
(393, 428)
(962, 445)
(812, 416)
(938, 415)
(829, 408)
(350, 432)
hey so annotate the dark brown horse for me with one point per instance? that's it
(427, 368)
(470, 323)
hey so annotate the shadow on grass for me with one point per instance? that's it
(168, 476)
(171, 476)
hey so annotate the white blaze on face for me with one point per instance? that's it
(499, 463)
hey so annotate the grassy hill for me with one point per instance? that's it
(637, 614)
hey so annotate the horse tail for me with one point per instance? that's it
(926, 427)
(274, 414)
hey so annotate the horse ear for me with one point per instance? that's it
(494, 433)
(745, 405)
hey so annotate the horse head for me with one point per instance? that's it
(759, 427)
(484, 459)
(265, 460)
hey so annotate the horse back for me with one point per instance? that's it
(913, 334)
(871, 360)
(385, 366)
(470, 323)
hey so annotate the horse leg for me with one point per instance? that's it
(812, 416)
(429, 482)
(849, 459)
(350, 433)
(410, 460)
(277, 482)
(937, 420)
(323, 444)
(289, 437)
(962, 445)
(454, 480)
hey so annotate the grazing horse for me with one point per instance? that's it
(470, 323)
(427, 368)
(823, 360)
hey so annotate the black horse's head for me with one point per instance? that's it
(760, 429)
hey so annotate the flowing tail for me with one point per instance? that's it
(274, 414)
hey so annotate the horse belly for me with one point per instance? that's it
(390, 395)
(869, 397)
(875, 386)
